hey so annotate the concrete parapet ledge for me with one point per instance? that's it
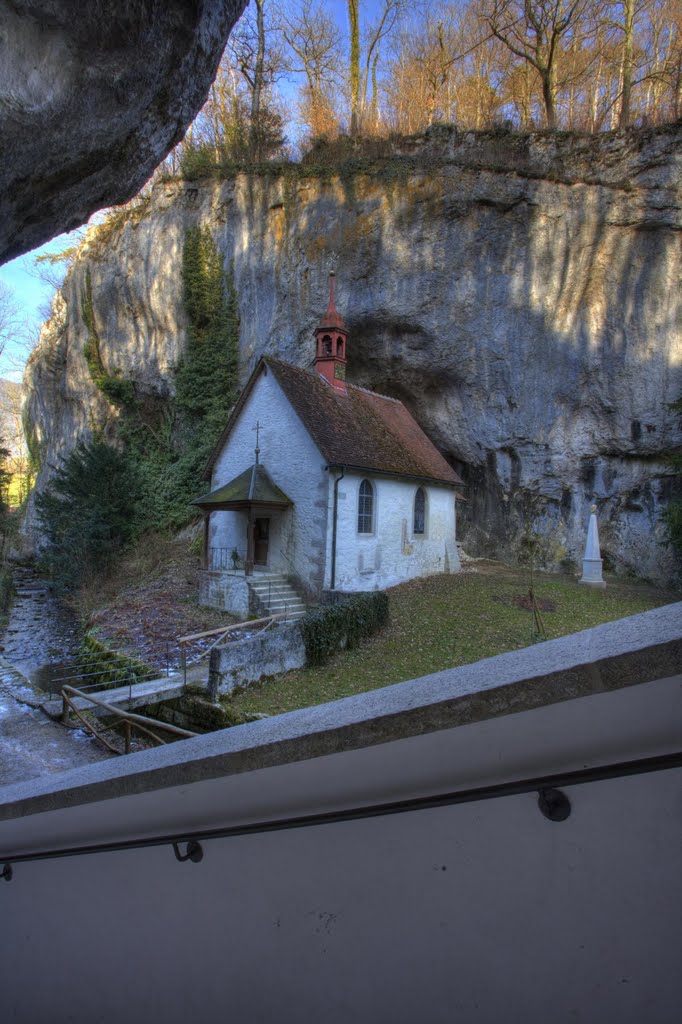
(610, 657)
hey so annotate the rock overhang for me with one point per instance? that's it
(89, 106)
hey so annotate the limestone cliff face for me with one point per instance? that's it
(520, 295)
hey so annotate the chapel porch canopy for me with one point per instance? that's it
(253, 487)
(253, 492)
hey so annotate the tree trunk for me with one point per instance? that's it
(626, 63)
(548, 98)
(354, 21)
(375, 95)
(258, 79)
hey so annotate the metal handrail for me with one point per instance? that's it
(124, 678)
(543, 786)
(224, 566)
(120, 666)
(230, 570)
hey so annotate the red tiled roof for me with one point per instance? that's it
(359, 430)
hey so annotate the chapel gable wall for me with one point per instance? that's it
(298, 535)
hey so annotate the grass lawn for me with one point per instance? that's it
(444, 621)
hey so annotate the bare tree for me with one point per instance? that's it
(254, 53)
(9, 314)
(627, 67)
(314, 48)
(18, 462)
(660, 39)
(535, 30)
(363, 68)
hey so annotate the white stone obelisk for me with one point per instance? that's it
(592, 560)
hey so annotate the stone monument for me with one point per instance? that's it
(592, 560)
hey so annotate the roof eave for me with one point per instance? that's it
(239, 504)
(451, 484)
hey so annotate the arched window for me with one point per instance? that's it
(366, 508)
(419, 520)
(339, 347)
(326, 345)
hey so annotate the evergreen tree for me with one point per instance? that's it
(206, 380)
(89, 510)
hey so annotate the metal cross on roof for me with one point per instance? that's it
(257, 429)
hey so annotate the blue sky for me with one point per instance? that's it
(29, 294)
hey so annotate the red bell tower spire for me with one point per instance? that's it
(331, 337)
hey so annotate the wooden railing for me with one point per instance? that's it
(128, 719)
(184, 642)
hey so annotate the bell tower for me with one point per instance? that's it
(330, 338)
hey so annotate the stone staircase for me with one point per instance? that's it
(276, 595)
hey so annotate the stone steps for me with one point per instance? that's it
(276, 595)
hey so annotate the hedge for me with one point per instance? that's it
(345, 624)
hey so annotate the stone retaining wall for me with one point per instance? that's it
(229, 592)
(277, 649)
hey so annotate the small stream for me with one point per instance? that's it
(39, 643)
(42, 636)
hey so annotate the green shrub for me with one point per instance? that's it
(198, 161)
(6, 590)
(330, 627)
(114, 669)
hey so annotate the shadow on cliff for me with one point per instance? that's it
(531, 341)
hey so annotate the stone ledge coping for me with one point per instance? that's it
(618, 654)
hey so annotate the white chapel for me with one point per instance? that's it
(323, 485)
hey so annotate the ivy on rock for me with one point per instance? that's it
(104, 494)
(113, 386)
(172, 446)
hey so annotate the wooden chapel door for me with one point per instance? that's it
(261, 538)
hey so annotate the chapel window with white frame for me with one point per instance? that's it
(366, 508)
(419, 518)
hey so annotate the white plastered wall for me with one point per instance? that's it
(297, 535)
(392, 553)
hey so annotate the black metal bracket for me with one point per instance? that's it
(194, 852)
(7, 873)
(554, 804)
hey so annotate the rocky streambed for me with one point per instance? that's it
(38, 646)
(42, 637)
